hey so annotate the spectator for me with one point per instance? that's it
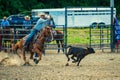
(117, 30)
(5, 26)
(116, 21)
(41, 23)
(27, 24)
(5, 23)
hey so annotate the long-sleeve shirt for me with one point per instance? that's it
(116, 22)
(41, 23)
(5, 24)
(117, 28)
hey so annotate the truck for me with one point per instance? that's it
(78, 17)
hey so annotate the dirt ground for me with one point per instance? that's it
(98, 66)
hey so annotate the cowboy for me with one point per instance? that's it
(5, 22)
(117, 30)
(41, 23)
(27, 24)
(5, 26)
(51, 22)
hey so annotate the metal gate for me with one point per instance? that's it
(100, 37)
(11, 36)
(16, 32)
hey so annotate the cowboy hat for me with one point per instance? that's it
(42, 14)
(27, 17)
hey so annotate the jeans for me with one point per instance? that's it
(30, 36)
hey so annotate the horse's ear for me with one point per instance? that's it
(47, 27)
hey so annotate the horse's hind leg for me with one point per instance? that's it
(58, 44)
(62, 45)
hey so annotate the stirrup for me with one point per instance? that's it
(25, 48)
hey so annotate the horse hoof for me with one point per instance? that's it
(26, 64)
(36, 61)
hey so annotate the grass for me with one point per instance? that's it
(82, 36)
(78, 36)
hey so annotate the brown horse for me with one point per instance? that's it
(38, 45)
(59, 38)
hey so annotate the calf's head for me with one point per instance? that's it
(90, 50)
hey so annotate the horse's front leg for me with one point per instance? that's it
(24, 58)
(39, 52)
(31, 55)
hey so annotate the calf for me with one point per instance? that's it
(79, 53)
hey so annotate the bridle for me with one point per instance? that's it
(46, 35)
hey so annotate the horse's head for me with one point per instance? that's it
(47, 33)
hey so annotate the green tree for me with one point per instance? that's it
(8, 7)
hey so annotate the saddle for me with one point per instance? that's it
(35, 37)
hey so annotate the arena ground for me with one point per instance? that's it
(98, 66)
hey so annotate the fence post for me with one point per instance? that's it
(65, 37)
(112, 32)
(14, 36)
